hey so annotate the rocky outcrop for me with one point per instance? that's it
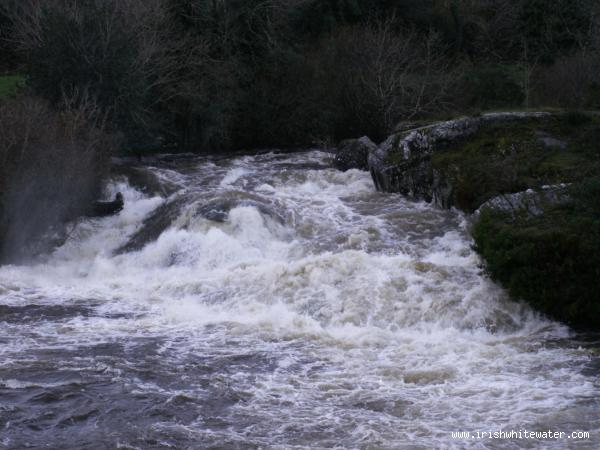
(533, 182)
(531, 202)
(423, 162)
(354, 154)
(543, 246)
(402, 162)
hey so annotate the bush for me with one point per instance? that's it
(381, 75)
(51, 166)
(571, 81)
(9, 85)
(105, 49)
(551, 261)
(495, 86)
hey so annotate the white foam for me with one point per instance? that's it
(390, 318)
(233, 175)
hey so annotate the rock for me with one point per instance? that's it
(529, 202)
(354, 154)
(102, 209)
(402, 162)
(154, 225)
(144, 179)
(550, 142)
(408, 125)
(405, 162)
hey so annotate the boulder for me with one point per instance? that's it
(144, 179)
(102, 209)
(530, 202)
(414, 162)
(402, 163)
(354, 154)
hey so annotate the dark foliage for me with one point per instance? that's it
(510, 157)
(551, 261)
(206, 75)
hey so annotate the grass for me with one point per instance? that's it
(9, 84)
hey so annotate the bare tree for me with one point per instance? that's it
(115, 50)
(51, 167)
(392, 75)
(572, 80)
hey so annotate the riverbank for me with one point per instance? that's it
(547, 257)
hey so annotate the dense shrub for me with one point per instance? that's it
(572, 81)
(496, 86)
(551, 261)
(107, 50)
(9, 85)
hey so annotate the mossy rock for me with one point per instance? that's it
(551, 261)
(465, 162)
(507, 157)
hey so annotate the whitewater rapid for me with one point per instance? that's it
(283, 304)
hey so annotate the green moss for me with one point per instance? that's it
(560, 165)
(9, 85)
(509, 157)
(551, 261)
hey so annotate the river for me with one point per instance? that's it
(273, 302)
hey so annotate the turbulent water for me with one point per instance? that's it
(271, 302)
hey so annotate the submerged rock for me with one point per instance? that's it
(154, 225)
(218, 210)
(181, 212)
(354, 154)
